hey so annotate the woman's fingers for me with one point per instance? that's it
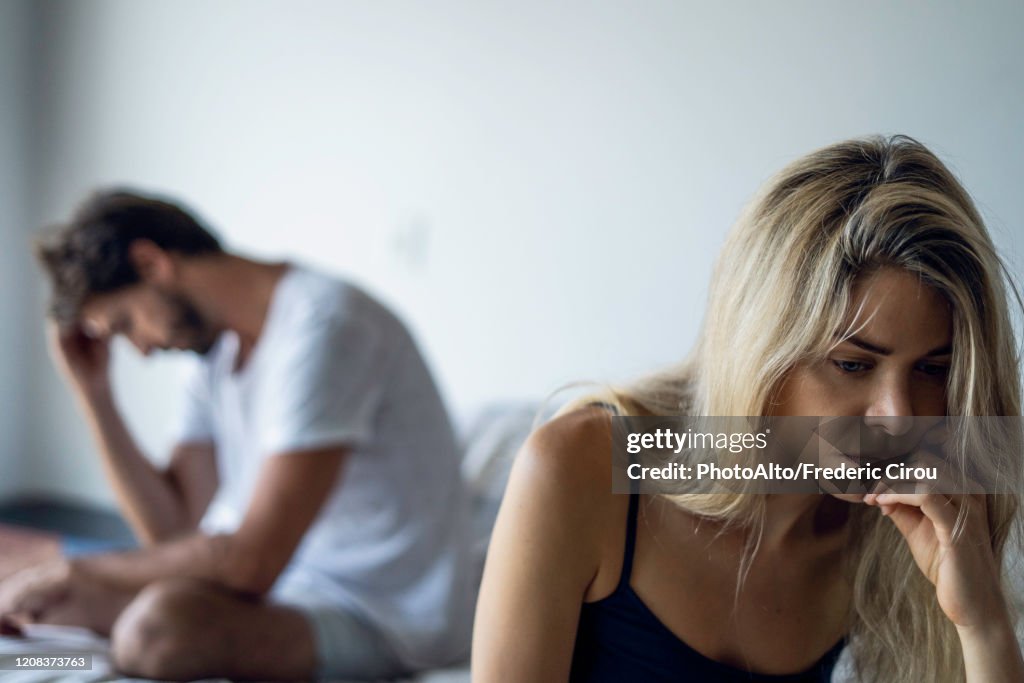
(941, 509)
(924, 472)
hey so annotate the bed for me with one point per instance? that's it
(490, 439)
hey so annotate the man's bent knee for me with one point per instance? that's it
(156, 635)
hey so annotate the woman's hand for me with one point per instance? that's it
(964, 571)
(962, 567)
(965, 574)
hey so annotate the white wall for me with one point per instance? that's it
(15, 22)
(538, 187)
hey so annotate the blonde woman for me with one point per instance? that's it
(861, 281)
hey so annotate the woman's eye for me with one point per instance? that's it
(934, 369)
(850, 366)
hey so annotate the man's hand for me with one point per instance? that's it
(30, 592)
(58, 592)
(84, 359)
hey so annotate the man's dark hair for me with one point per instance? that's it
(91, 254)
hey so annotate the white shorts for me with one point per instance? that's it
(347, 645)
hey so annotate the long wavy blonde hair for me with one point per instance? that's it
(783, 285)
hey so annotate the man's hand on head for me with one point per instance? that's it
(82, 356)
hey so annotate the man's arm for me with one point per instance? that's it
(291, 490)
(159, 504)
(192, 471)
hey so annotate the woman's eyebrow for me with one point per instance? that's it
(868, 346)
(943, 350)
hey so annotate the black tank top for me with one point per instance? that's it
(620, 640)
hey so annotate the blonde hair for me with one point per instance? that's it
(783, 284)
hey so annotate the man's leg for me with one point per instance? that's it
(181, 629)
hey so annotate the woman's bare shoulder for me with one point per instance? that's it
(573, 448)
(565, 468)
(547, 549)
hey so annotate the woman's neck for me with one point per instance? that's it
(802, 520)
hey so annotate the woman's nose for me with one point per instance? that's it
(890, 406)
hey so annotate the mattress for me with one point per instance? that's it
(50, 640)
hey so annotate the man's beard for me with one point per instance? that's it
(188, 325)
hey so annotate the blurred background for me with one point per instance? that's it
(539, 188)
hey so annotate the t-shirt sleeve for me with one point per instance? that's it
(324, 386)
(195, 423)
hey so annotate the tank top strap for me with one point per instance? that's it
(627, 557)
(631, 519)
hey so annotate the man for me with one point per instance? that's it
(311, 519)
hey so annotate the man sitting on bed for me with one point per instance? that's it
(310, 521)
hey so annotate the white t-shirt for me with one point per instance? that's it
(332, 366)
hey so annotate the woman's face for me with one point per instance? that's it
(894, 368)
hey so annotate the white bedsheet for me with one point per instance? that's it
(41, 639)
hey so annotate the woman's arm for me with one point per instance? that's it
(544, 553)
(992, 654)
